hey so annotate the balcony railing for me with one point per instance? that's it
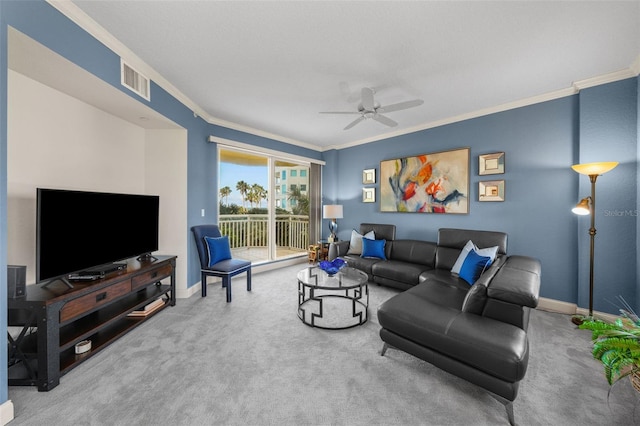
(251, 230)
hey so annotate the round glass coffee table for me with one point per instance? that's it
(333, 302)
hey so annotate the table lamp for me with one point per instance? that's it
(332, 212)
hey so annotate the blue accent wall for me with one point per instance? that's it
(609, 132)
(540, 142)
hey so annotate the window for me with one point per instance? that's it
(265, 218)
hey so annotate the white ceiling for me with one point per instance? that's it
(271, 67)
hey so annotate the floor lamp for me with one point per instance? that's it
(333, 212)
(587, 206)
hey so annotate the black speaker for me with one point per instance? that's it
(16, 281)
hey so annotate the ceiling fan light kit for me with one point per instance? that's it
(368, 108)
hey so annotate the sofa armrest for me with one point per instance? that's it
(338, 248)
(517, 282)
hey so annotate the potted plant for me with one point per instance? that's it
(617, 345)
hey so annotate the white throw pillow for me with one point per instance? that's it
(355, 245)
(490, 252)
(463, 255)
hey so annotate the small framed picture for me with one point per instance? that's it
(369, 176)
(368, 195)
(491, 164)
(491, 190)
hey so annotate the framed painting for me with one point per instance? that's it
(427, 183)
(491, 190)
(491, 164)
(368, 195)
(369, 176)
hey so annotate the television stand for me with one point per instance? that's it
(55, 319)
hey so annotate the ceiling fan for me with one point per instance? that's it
(368, 108)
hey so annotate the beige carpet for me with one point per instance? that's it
(253, 362)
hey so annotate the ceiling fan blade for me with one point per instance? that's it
(401, 105)
(367, 99)
(384, 120)
(354, 122)
(339, 112)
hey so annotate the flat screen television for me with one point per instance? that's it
(78, 230)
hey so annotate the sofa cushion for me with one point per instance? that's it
(355, 245)
(361, 263)
(451, 241)
(396, 270)
(373, 248)
(476, 298)
(413, 251)
(445, 277)
(517, 282)
(383, 231)
(497, 348)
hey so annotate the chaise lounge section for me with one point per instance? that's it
(476, 331)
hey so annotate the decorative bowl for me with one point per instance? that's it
(332, 267)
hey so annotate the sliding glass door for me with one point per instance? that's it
(291, 204)
(264, 205)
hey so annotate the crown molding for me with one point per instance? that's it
(606, 78)
(75, 14)
(635, 66)
(463, 117)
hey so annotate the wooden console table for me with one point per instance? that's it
(55, 318)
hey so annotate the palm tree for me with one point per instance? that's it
(301, 201)
(259, 194)
(243, 188)
(224, 194)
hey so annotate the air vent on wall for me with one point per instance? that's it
(133, 80)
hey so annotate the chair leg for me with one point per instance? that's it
(203, 280)
(226, 282)
(249, 279)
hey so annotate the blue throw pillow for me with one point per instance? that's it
(218, 249)
(473, 266)
(373, 248)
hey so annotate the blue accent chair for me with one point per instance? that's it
(224, 269)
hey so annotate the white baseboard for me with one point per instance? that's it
(557, 306)
(6, 412)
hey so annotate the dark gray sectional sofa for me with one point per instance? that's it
(477, 332)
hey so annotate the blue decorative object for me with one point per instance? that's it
(332, 267)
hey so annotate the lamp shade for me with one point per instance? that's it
(594, 168)
(582, 208)
(332, 211)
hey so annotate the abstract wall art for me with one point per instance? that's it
(427, 183)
